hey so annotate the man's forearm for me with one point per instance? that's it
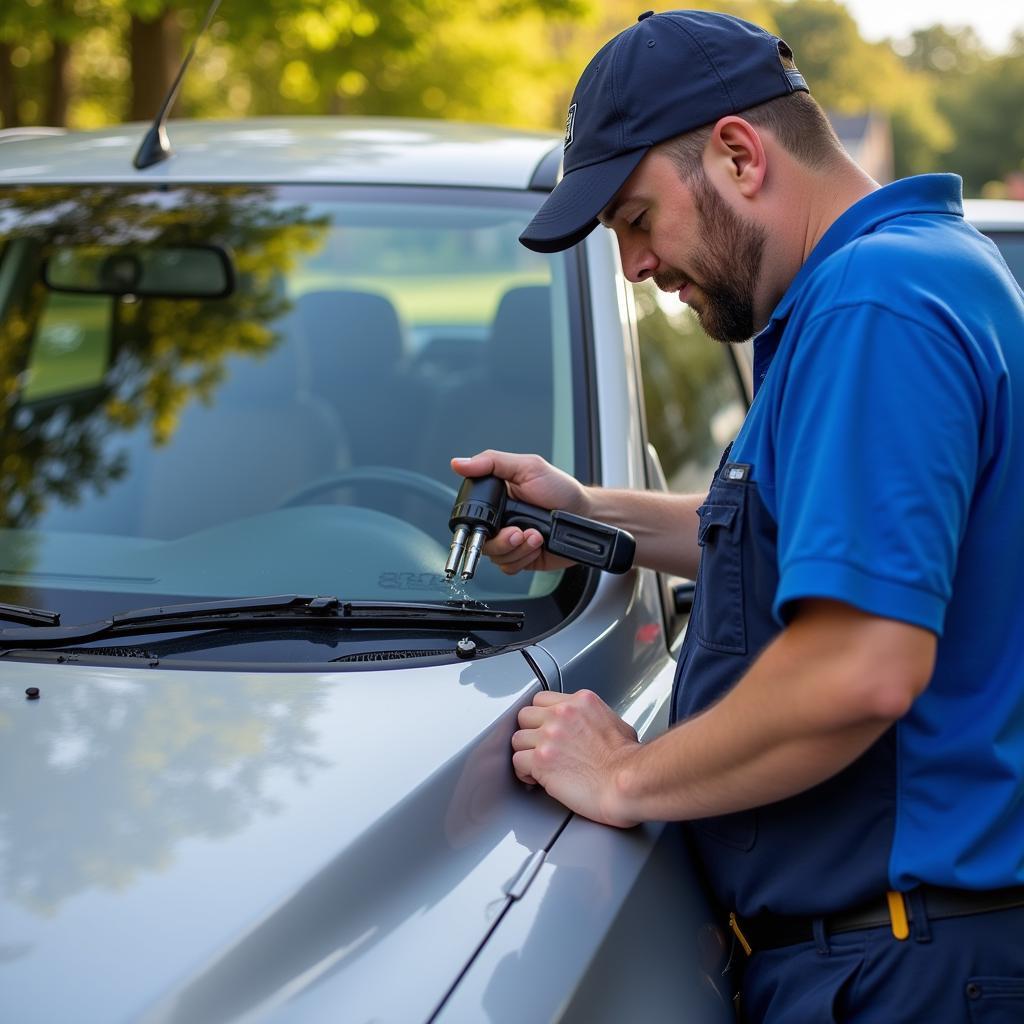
(664, 525)
(720, 762)
(814, 700)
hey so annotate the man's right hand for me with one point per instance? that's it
(531, 479)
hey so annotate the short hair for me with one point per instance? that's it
(796, 120)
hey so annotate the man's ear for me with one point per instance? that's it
(735, 156)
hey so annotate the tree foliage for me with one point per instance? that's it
(979, 94)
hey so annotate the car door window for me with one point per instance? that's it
(693, 393)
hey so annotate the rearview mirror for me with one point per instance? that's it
(177, 272)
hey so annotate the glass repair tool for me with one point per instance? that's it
(483, 507)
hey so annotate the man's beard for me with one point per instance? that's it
(727, 268)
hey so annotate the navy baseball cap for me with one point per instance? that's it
(667, 74)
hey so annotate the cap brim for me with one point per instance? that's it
(569, 214)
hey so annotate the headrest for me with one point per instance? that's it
(361, 328)
(520, 342)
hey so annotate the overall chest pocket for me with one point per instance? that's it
(720, 623)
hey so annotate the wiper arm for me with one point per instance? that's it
(246, 613)
(30, 616)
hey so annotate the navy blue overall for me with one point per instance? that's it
(877, 466)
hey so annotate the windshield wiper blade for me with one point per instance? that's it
(29, 616)
(247, 613)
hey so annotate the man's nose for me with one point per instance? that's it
(638, 262)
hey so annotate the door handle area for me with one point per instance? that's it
(682, 596)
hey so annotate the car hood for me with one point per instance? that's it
(211, 846)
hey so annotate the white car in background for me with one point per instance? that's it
(1003, 221)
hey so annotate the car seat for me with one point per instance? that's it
(508, 403)
(357, 362)
(264, 436)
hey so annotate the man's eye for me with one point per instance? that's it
(639, 221)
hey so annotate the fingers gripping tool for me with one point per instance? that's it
(483, 507)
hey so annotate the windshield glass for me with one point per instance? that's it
(290, 436)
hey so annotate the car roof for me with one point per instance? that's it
(995, 214)
(394, 151)
(322, 150)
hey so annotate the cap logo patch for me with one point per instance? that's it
(570, 120)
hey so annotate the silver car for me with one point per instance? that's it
(254, 747)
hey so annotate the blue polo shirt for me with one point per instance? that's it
(882, 470)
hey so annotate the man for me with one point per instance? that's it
(849, 745)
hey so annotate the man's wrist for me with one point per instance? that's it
(602, 503)
(587, 502)
(621, 804)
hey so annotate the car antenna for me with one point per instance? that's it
(156, 146)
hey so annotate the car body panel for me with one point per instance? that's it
(194, 846)
(606, 933)
(995, 214)
(307, 150)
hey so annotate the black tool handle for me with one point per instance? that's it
(592, 543)
(583, 540)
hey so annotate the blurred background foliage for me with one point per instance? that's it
(84, 63)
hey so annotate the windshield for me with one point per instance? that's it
(290, 436)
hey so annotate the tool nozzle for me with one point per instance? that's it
(476, 543)
(457, 549)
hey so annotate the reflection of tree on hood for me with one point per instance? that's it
(138, 769)
(164, 352)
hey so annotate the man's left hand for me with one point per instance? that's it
(574, 745)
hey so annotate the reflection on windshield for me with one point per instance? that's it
(55, 447)
(288, 437)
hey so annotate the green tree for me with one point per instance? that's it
(986, 113)
(980, 97)
(419, 57)
(851, 76)
(413, 57)
(35, 55)
(945, 53)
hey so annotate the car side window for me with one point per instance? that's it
(70, 350)
(694, 397)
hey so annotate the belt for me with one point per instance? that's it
(769, 931)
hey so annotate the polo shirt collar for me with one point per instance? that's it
(924, 193)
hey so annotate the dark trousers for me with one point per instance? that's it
(963, 970)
